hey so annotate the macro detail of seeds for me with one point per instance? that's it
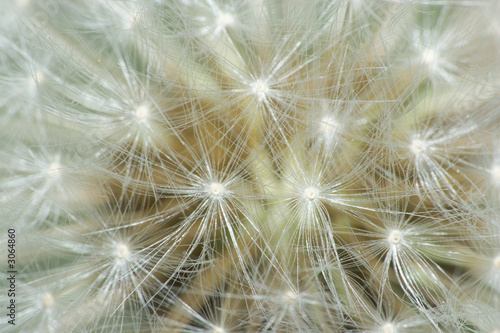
(250, 166)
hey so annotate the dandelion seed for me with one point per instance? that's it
(440, 51)
(216, 189)
(225, 19)
(431, 58)
(122, 251)
(142, 112)
(418, 147)
(129, 18)
(34, 81)
(328, 126)
(495, 174)
(311, 193)
(395, 237)
(290, 297)
(260, 89)
(23, 3)
(496, 262)
(54, 170)
(48, 300)
(218, 330)
(389, 328)
(38, 77)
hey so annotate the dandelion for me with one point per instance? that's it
(265, 166)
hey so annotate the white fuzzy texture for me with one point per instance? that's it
(251, 166)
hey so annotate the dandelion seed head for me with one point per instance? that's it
(260, 89)
(193, 207)
(48, 300)
(388, 328)
(311, 193)
(418, 146)
(225, 19)
(216, 189)
(395, 237)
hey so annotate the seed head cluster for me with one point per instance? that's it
(251, 166)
